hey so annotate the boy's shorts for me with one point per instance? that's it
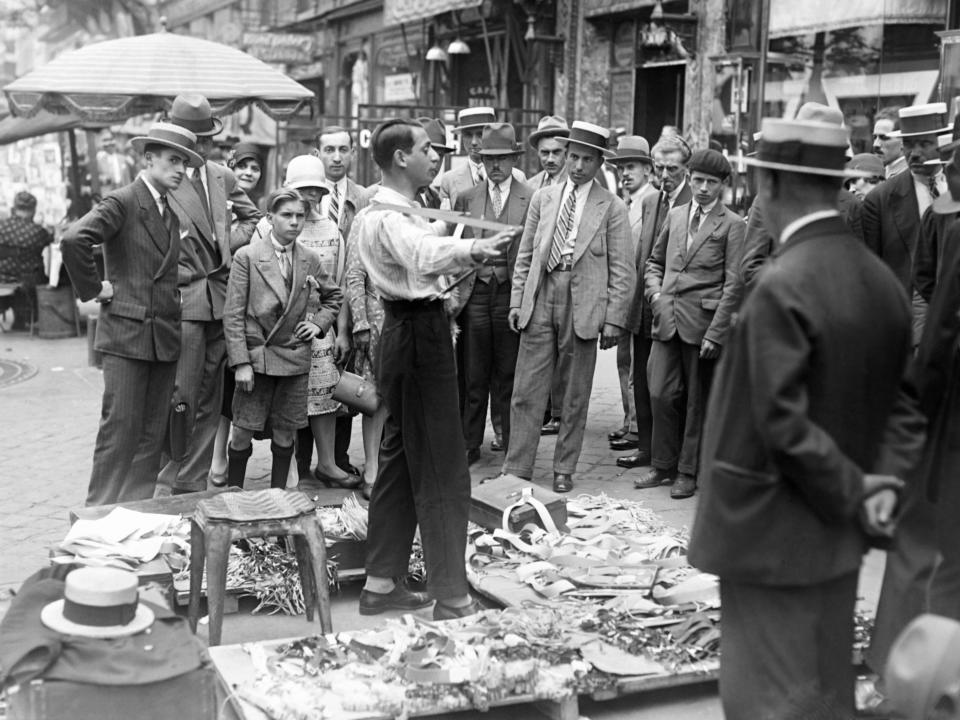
(280, 398)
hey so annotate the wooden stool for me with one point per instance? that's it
(232, 516)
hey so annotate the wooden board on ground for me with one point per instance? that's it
(234, 669)
(185, 504)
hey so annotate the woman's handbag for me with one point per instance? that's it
(357, 393)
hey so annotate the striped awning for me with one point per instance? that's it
(117, 79)
(788, 17)
(403, 11)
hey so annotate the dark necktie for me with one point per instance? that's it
(694, 224)
(201, 191)
(932, 184)
(334, 212)
(167, 216)
(481, 176)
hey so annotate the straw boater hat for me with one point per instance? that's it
(804, 146)
(549, 126)
(923, 665)
(98, 603)
(437, 132)
(922, 120)
(949, 202)
(594, 136)
(171, 136)
(475, 117)
(632, 148)
(306, 171)
(499, 139)
(192, 111)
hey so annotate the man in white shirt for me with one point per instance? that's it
(691, 285)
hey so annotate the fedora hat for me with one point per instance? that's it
(499, 139)
(475, 117)
(192, 111)
(922, 120)
(549, 126)
(631, 148)
(594, 136)
(98, 603)
(437, 132)
(306, 171)
(808, 147)
(172, 136)
(923, 665)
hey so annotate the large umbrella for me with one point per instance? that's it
(117, 79)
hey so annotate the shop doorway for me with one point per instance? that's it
(658, 99)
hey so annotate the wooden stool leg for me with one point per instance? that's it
(304, 565)
(313, 532)
(218, 549)
(196, 573)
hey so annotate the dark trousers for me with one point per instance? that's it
(133, 423)
(679, 386)
(199, 384)
(786, 650)
(489, 358)
(641, 391)
(423, 474)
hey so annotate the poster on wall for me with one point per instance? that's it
(399, 88)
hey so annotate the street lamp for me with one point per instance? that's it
(437, 54)
(458, 47)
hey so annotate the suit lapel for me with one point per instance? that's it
(218, 208)
(151, 218)
(708, 225)
(595, 206)
(548, 213)
(906, 212)
(513, 213)
(269, 270)
(190, 207)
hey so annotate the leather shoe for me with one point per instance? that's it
(448, 612)
(400, 598)
(473, 454)
(562, 482)
(617, 434)
(551, 427)
(630, 442)
(350, 482)
(497, 443)
(684, 487)
(638, 459)
(653, 478)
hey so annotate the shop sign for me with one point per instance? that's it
(402, 11)
(279, 47)
(622, 100)
(598, 8)
(310, 70)
(399, 88)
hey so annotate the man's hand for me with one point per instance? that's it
(709, 350)
(305, 331)
(341, 347)
(361, 341)
(513, 319)
(609, 336)
(876, 513)
(243, 376)
(106, 292)
(484, 249)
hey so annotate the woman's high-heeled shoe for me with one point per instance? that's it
(350, 482)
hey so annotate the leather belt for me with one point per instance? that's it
(565, 265)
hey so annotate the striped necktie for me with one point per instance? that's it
(334, 211)
(564, 223)
(932, 184)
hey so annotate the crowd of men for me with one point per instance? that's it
(786, 363)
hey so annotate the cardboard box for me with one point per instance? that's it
(489, 500)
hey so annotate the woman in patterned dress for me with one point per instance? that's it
(320, 234)
(366, 312)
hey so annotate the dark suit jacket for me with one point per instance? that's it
(758, 244)
(143, 319)
(259, 315)
(891, 225)
(807, 380)
(476, 202)
(654, 216)
(602, 277)
(202, 284)
(928, 265)
(698, 285)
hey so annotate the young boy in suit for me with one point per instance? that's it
(278, 301)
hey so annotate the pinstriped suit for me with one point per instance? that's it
(138, 332)
(561, 316)
(205, 258)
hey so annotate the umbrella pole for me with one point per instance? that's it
(75, 182)
(92, 163)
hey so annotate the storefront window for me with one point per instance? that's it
(849, 56)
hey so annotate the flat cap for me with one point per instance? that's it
(709, 162)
